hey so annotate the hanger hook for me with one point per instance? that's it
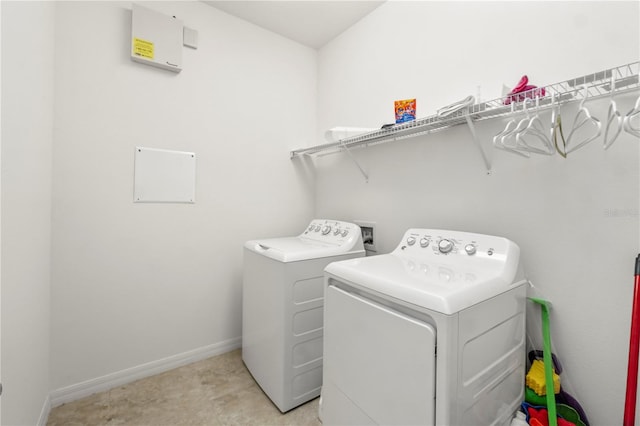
(612, 88)
(525, 108)
(585, 96)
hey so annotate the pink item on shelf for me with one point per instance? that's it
(523, 91)
(521, 84)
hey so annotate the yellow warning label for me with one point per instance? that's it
(142, 48)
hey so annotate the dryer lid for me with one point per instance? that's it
(427, 278)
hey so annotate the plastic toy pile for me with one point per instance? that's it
(546, 403)
(568, 410)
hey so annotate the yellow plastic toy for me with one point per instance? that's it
(535, 378)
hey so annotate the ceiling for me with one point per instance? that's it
(309, 22)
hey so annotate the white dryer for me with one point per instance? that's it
(282, 307)
(430, 334)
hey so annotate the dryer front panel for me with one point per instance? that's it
(380, 360)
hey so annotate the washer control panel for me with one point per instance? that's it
(429, 243)
(331, 231)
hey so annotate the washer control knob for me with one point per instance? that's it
(424, 242)
(411, 240)
(336, 231)
(310, 228)
(326, 229)
(470, 249)
(345, 232)
(445, 246)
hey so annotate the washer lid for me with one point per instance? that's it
(425, 277)
(293, 249)
(321, 238)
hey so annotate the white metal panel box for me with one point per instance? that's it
(156, 39)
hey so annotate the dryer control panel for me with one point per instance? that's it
(439, 244)
(332, 231)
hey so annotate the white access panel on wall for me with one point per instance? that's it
(163, 176)
(156, 39)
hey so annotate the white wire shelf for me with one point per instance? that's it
(595, 85)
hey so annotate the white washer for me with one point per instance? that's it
(282, 307)
(430, 334)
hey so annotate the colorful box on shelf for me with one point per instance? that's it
(405, 110)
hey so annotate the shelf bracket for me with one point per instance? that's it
(472, 129)
(346, 148)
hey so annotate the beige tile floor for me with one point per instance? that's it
(215, 391)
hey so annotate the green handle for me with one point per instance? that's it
(548, 363)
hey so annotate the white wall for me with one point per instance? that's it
(136, 283)
(27, 124)
(576, 220)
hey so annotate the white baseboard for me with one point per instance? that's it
(44, 413)
(119, 378)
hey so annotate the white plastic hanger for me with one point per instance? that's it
(498, 139)
(583, 119)
(613, 116)
(554, 115)
(510, 139)
(534, 138)
(631, 115)
(556, 127)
